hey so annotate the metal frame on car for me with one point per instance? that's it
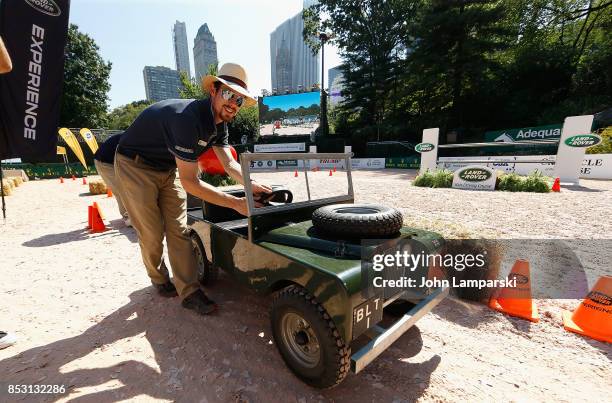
(245, 163)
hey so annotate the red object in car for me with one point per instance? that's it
(209, 163)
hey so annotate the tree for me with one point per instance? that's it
(86, 85)
(372, 38)
(123, 116)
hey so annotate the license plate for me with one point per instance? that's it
(367, 315)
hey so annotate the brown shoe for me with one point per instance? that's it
(199, 302)
(166, 290)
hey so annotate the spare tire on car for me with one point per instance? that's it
(357, 220)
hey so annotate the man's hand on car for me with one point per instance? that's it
(259, 188)
(240, 205)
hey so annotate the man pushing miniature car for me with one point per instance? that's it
(168, 135)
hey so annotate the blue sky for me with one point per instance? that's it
(135, 33)
(286, 102)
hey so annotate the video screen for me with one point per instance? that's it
(291, 114)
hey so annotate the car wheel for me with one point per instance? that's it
(207, 273)
(357, 220)
(308, 340)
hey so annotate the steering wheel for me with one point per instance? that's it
(276, 196)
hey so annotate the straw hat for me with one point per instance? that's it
(235, 77)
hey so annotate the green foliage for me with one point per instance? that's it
(605, 147)
(123, 116)
(217, 180)
(442, 178)
(534, 182)
(86, 84)
(439, 178)
(190, 89)
(465, 64)
(424, 180)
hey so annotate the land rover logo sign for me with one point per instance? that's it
(45, 6)
(474, 177)
(424, 147)
(475, 174)
(583, 140)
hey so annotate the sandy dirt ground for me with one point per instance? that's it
(87, 317)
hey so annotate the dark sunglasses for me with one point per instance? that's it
(229, 94)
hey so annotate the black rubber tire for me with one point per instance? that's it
(335, 354)
(207, 273)
(357, 220)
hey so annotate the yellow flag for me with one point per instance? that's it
(90, 139)
(73, 143)
(61, 150)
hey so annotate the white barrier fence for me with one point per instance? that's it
(575, 138)
(594, 166)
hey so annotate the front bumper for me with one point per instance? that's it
(382, 338)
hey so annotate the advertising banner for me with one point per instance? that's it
(73, 143)
(406, 163)
(367, 163)
(90, 139)
(474, 177)
(263, 164)
(547, 132)
(34, 32)
(280, 148)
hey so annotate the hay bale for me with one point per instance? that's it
(18, 180)
(97, 187)
(5, 188)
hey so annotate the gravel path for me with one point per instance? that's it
(88, 319)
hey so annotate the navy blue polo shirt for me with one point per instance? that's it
(181, 128)
(106, 151)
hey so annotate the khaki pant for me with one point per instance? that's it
(157, 206)
(107, 172)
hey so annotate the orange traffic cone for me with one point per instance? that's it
(295, 175)
(516, 301)
(73, 178)
(592, 317)
(109, 192)
(97, 223)
(330, 173)
(556, 187)
(89, 216)
(61, 179)
(84, 181)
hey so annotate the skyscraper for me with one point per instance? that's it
(294, 67)
(181, 51)
(204, 51)
(332, 74)
(161, 83)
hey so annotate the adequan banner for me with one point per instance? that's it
(34, 32)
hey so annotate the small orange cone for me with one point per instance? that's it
(97, 223)
(61, 179)
(330, 173)
(295, 175)
(593, 318)
(556, 187)
(89, 216)
(516, 301)
(73, 178)
(334, 168)
(109, 192)
(84, 181)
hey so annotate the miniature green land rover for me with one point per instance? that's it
(313, 255)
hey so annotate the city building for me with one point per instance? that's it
(181, 49)
(336, 86)
(161, 83)
(294, 67)
(331, 75)
(204, 51)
